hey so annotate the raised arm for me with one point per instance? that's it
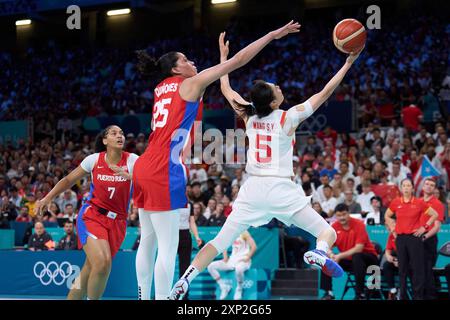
(231, 95)
(302, 111)
(192, 88)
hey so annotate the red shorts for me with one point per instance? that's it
(91, 223)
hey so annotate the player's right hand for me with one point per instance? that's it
(41, 205)
(353, 56)
(223, 46)
(291, 27)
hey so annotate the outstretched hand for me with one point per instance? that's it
(291, 27)
(223, 46)
(353, 56)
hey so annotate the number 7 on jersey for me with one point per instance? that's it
(112, 190)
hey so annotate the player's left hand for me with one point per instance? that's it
(337, 257)
(199, 242)
(291, 27)
(119, 171)
(223, 46)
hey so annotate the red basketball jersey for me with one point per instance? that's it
(108, 190)
(160, 177)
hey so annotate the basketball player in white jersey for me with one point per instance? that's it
(244, 248)
(269, 192)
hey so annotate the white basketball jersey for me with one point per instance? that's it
(240, 249)
(270, 148)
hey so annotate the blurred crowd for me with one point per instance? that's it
(399, 86)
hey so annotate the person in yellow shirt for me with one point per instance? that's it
(31, 203)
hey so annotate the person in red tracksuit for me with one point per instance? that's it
(356, 251)
(430, 239)
(390, 266)
(102, 221)
(408, 230)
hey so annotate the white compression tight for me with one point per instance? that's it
(307, 219)
(159, 231)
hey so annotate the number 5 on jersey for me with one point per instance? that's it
(263, 150)
(161, 113)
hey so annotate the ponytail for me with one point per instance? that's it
(99, 145)
(149, 67)
(261, 96)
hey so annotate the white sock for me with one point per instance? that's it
(190, 273)
(323, 246)
(143, 292)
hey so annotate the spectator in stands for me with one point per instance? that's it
(356, 252)
(226, 206)
(364, 198)
(133, 219)
(8, 212)
(23, 216)
(344, 171)
(196, 192)
(30, 203)
(376, 214)
(241, 177)
(200, 219)
(198, 173)
(40, 240)
(397, 176)
(15, 198)
(329, 203)
(311, 147)
(390, 267)
(316, 206)
(353, 206)
(411, 116)
(407, 226)
(212, 204)
(69, 212)
(68, 196)
(69, 241)
(329, 169)
(217, 218)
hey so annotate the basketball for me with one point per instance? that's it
(349, 35)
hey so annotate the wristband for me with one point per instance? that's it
(426, 226)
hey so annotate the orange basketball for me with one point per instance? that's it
(349, 35)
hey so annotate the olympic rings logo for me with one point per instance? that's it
(314, 123)
(53, 273)
(247, 284)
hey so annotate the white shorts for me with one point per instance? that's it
(261, 199)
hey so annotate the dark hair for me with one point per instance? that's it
(327, 186)
(148, 66)
(261, 95)
(375, 198)
(68, 204)
(430, 179)
(195, 183)
(68, 221)
(341, 207)
(99, 146)
(409, 179)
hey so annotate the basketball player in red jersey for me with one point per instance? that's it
(160, 177)
(102, 221)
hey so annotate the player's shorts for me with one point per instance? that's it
(158, 184)
(261, 199)
(91, 223)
